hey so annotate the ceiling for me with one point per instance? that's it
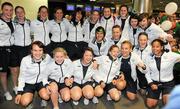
(157, 4)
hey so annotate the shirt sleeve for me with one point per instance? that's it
(21, 78)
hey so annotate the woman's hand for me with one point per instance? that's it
(154, 87)
(121, 77)
(142, 65)
(114, 81)
(102, 84)
(17, 99)
(48, 89)
(68, 82)
(95, 65)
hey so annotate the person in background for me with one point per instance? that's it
(76, 41)
(21, 35)
(123, 18)
(159, 73)
(143, 49)
(155, 19)
(58, 29)
(107, 21)
(58, 74)
(99, 43)
(129, 62)
(32, 74)
(6, 51)
(40, 28)
(175, 46)
(109, 78)
(83, 82)
(90, 25)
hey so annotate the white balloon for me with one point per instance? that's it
(171, 8)
(166, 25)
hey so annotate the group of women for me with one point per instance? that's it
(91, 56)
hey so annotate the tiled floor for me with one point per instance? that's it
(103, 103)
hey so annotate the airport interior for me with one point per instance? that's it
(163, 10)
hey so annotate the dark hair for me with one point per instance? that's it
(143, 33)
(113, 46)
(88, 49)
(142, 16)
(100, 29)
(38, 43)
(55, 10)
(123, 6)
(155, 16)
(178, 43)
(58, 8)
(95, 11)
(6, 3)
(161, 43)
(107, 8)
(19, 7)
(43, 6)
(133, 16)
(78, 9)
(117, 26)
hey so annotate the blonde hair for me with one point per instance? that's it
(59, 49)
(127, 42)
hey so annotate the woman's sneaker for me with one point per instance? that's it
(86, 101)
(15, 90)
(56, 108)
(8, 96)
(30, 106)
(108, 97)
(60, 99)
(43, 103)
(75, 102)
(95, 100)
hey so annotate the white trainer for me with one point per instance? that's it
(75, 102)
(15, 90)
(86, 101)
(95, 100)
(60, 99)
(8, 96)
(108, 97)
(30, 106)
(43, 103)
(56, 108)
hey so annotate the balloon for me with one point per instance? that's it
(171, 8)
(166, 25)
